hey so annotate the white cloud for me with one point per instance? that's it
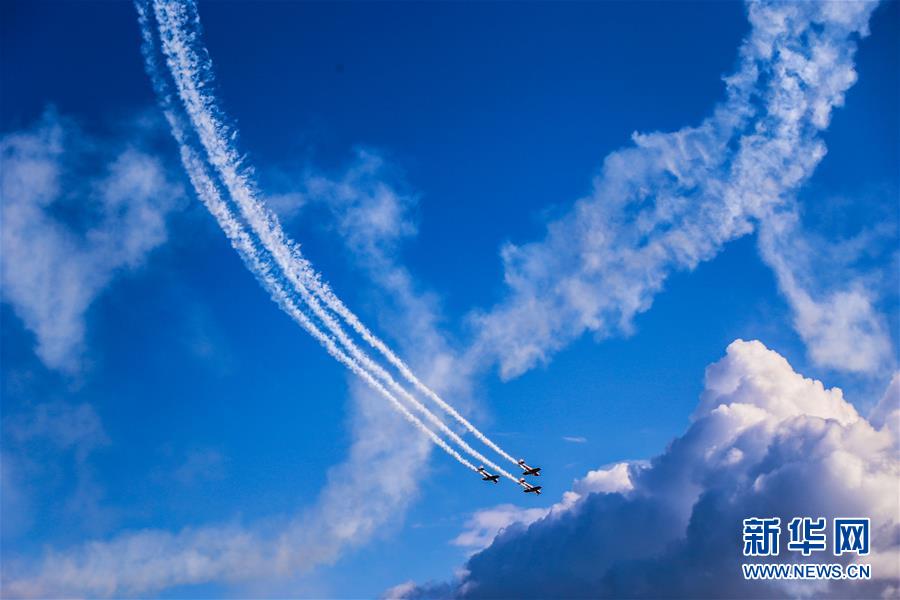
(752, 372)
(366, 493)
(575, 439)
(75, 211)
(484, 525)
(672, 200)
(839, 323)
(36, 441)
(887, 412)
(380, 478)
(401, 590)
(612, 479)
(62, 425)
(199, 465)
(764, 441)
(371, 216)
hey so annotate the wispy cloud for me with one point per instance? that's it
(363, 495)
(764, 441)
(575, 439)
(371, 216)
(672, 200)
(198, 465)
(834, 307)
(116, 196)
(36, 440)
(381, 476)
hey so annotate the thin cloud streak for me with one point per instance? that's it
(575, 439)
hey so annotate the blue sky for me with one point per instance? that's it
(191, 400)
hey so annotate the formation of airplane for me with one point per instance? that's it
(485, 476)
(530, 489)
(526, 470)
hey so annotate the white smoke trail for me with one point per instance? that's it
(268, 226)
(338, 306)
(243, 244)
(188, 71)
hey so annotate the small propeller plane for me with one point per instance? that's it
(529, 489)
(526, 470)
(485, 476)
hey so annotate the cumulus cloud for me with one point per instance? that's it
(763, 441)
(672, 200)
(483, 526)
(76, 210)
(611, 479)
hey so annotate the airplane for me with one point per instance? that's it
(487, 476)
(536, 471)
(530, 488)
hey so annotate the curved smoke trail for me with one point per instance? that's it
(192, 58)
(192, 74)
(243, 243)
